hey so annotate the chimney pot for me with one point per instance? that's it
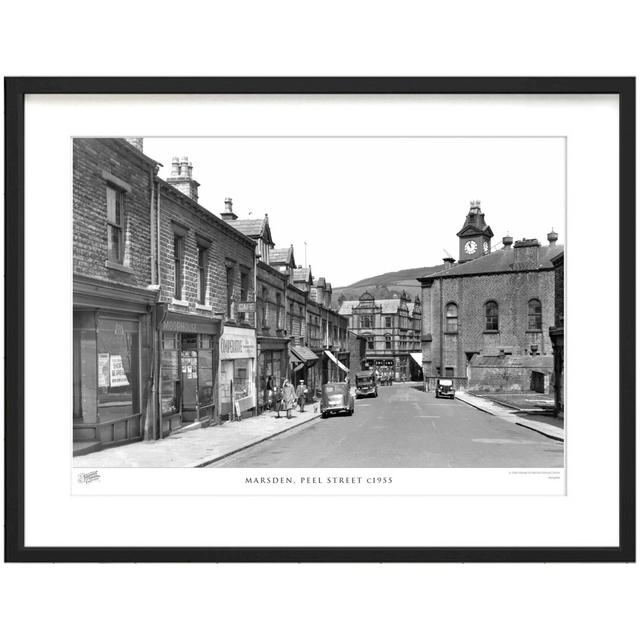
(552, 237)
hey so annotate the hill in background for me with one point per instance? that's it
(385, 285)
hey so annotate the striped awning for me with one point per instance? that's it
(336, 361)
(417, 357)
(303, 354)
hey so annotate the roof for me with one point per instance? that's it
(387, 306)
(253, 227)
(501, 261)
(319, 282)
(303, 274)
(281, 256)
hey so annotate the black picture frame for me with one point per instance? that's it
(15, 91)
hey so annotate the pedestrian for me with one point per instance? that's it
(301, 395)
(277, 398)
(288, 397)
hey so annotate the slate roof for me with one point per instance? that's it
(501, 261)
(281, 256)
(302, 275)
(388, 306)
(253, 227)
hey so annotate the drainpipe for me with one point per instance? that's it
(441, 332)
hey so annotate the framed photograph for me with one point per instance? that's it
(320, 319)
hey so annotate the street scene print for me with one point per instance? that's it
(318, 303)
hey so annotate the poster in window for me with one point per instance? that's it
(118, 376)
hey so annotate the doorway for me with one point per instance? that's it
(189, 379)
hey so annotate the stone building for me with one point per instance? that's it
(392, 332)
(556, 333)
(113, 293)
(486, 319)
(207, 338)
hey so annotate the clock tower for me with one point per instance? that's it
(475, 235)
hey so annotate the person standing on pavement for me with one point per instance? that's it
(301, 394)
(288, 397)
(277, 398)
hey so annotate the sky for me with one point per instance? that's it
(365, 206)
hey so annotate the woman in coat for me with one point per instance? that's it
(288, 397)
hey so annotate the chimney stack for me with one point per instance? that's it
(181, 177)
(526, 251)
(228, 214)
(552, 237)
(448, 261)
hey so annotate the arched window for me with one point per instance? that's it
(535, 315)
(491, 315)
(387, 342)
(452, 318)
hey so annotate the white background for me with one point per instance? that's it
(370, 38)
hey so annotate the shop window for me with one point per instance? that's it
(170, 375)
(178, 248)
(118, 369)
(115, 225)
(203, 263)
(452, 318)
(535, 315)
(491, 315)
(205, 371)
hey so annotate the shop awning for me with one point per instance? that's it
(336, 361)
(303, 354)
(417, 357)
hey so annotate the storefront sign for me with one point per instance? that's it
(245, 307)
(118, 376)
(237, 343)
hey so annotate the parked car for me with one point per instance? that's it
(366, 384)
(336, 397)
(445, 389)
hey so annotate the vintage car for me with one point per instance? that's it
(444, 388)
(366, 384)
(336, 397)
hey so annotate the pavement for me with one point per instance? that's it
(198, 447)
(546, 425)
(206, 446)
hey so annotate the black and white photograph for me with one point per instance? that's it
(319, 302)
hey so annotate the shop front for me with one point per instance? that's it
(237, 393)
(272, 366)
(188, 369)
(302, 361)
(112, 343)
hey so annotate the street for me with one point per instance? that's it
(405, 427)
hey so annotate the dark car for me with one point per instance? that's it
(444, 388)
(336, 397)
(366, 384)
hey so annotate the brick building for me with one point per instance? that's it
(391, 329)
(113, 293)
(486, 319)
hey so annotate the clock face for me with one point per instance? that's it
(485, 247)
(470, 247)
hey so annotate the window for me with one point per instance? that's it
(535, 315)
(291, 318)
(491, 315)
(244, 292)
(278, 310)
(387, 322)
(449, 372)
(229, 290)
(177, 266)
(387, 343)
(115, 225)
(452, 318)
(370, 343)
(264, 307)
(367, 322)
(203, 262)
